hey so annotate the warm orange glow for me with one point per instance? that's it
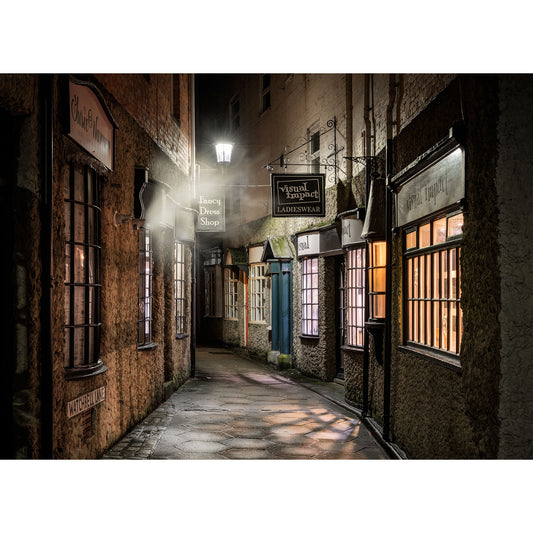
(455, 225)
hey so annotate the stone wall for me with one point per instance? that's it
(514, 188)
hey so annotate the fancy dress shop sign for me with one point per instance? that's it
(212, 211)
(89, 125)
(298, 195)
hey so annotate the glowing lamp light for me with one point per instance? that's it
(224, 152)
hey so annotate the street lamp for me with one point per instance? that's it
(224, 152)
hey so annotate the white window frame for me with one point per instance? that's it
(179, 287)
(231, 280)
(355, 297)
(257, 287)
(309, 290)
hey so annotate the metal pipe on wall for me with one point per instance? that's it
(349, 128)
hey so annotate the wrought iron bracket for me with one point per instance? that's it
(369, 161)
(330, 162)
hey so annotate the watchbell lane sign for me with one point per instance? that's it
(438, 186)
(212, 211)
(89, 124)
(298, 195)
(85, 402)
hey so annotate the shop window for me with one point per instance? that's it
(82, 270)
(355, 297)
(257, 293)
(310, 296)
(377, 275)
(145, 290)
(433, 280)
(265, 92)
(210, 292)
(179, 286)
(230, 293)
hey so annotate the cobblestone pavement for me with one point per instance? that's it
(236, 408)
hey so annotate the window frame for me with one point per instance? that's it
(145, 289)
(257, 297)
(355, 284)
(416, 297)
(82, 244)
(231, 280)
(180, 298)
(309, 306)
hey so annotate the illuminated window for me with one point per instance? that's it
(377, 275)
(433, 279)
(145, 290)
(310, 296)
(355, 297)
(82, 269)
(179, 286)
(257, 293)
(230, 294)
(210, 292)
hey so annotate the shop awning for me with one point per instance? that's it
(374, 226)
(237, 257)
(277, 248)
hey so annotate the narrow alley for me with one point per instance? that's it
(237, 408)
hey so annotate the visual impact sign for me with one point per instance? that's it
(298, 195)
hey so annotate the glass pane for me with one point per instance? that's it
(90, 186)
(436, 325)
(379, 253)
(314, 280)
(444, 344)
(67, 305)
(79, 264)
(315, 327)
(453, 273)
(409, 278)
(460, 327)
(68, 207)
(379, 306)
(455, 225)
(66, 185)
(91, 226)
(79, 223)
(424, 235)
(79, 185)
(415, 277)
(444, 274)
(91, 334)
(422, 316)
(453, 327)
(436, 275)
(422, 287)
(410, 240)
(410, 321)
(66, 353)
(415, 321)
(67, 263)
(379, 275)
(428, 323)
(439, 230)
(315, 296)
(79, 305)
(79, 346)
(428, 276)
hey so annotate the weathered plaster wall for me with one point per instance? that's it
(515, 195)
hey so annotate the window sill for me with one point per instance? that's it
(448, 361)
(310, 337)
(146, 347)
(87, 371)
(182, 335)
(349, 348)
(231, 319)
(256, 323)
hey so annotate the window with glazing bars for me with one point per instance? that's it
(433, 279)
(355, 297)
(230, 293)
(310, 296)
(145, 292)
(210, 294)
(257, 293)
(179, 286)
(82, 267)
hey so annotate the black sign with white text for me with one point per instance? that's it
(298, 195)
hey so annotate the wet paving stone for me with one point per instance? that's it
(238, 409)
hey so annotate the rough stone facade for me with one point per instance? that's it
(135, 381)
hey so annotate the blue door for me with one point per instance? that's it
(281, 280)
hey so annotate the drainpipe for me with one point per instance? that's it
(368, 141)
(388, 283)
(195, 245)
(46, 97)
(349, 130)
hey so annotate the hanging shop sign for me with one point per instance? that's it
(212, 211)
(439, 185)
(298, 195)
(308, 244)
(89, 124)
(85, 402)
